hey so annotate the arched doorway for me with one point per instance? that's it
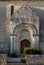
(24, 43)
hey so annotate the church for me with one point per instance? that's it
(25, 30)
(20, 28)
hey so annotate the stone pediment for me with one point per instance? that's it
(23, 14)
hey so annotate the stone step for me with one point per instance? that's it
(16, 63)
(21, 55)
(14, 60)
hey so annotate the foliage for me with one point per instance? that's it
(23, 60)
(13, 55)
(32, 51)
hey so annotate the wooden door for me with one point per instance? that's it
(24, 43)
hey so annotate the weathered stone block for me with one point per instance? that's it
(3, 59)
(35, 59)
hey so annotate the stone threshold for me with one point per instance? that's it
(16, 63)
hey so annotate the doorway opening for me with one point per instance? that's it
(24, 43)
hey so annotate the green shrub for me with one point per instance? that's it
(32, 51)
(23, 60)
(13, 55)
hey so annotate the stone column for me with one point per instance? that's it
(37, 43)
(15, 44)
(33, 45)
(11, 44)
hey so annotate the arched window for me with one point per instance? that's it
(12, 10)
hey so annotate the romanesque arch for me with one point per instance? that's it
(18, 32)
(27, 25)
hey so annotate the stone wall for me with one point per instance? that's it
(3, 59)
(35, 59)
(16, 63)
(6, 28)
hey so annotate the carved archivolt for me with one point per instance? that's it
(24, 26)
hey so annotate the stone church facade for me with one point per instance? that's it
(23, 28)
(27, 25)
